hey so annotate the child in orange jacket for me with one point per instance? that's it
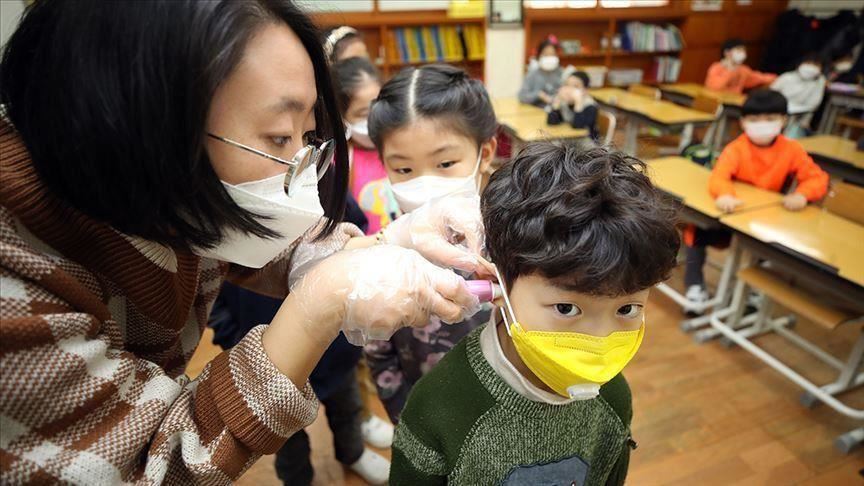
(731, 74)
(761, 156)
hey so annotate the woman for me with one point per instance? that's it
(144, 160)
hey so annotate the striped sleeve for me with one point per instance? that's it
(415, 462)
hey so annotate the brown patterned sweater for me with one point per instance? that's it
(96, 329)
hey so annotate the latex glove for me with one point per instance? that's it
(728, 203)
(448, 232)
(371, 293)
(794, 202)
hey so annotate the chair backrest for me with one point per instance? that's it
(646, 91)
(707, 104)
(606, 123)
(845, 200)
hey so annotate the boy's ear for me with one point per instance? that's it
(785, 119)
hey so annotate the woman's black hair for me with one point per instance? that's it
(585, 217)
(545, 43)
(111, 99)
(583, 76)
(731, 44)
(347, 76)
(433, 91)
(764, 102)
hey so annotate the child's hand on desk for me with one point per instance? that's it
(794, 202)
(727, 203)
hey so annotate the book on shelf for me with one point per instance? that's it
(436, 43)
(665, 69)
(641, 37)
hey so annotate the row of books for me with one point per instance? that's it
(665, 69)
(639, 37)
(436, 43)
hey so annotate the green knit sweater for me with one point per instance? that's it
(464, 425)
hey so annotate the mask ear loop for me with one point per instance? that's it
(512, 320)
(477, 170)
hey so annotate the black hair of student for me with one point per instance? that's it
(586, 217)
(341, 44)
(731, 44)
(583, 76)
(764, 102)
(438, 91)
(545, 43)
(811, 57)
(111, 100)
(347, 76)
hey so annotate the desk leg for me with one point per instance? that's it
(721, 295)
(686, 137)
(631, 134)
(823, 123)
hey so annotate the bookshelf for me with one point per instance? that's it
(382, 31)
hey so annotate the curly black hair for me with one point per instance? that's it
(586, 217)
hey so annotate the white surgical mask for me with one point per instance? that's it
(739, 56)
(762, 132)
(548, 63)
(842, 67)
(360, 134)
(289, 216)
(808, 71)
(412, 194)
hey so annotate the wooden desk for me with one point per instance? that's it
(663, 115)
(531, 127)
(692, 90)
(837, 155)
(824, 237)
(838, 99)
(688, 181)
(512, 106)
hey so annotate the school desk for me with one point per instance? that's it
(512, 106)
(660, 114)
(838, 99)
(837, 155)
(687, 182)
(532, 127)
(684, 93)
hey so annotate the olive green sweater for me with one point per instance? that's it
(464, 425)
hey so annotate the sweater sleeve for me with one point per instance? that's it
(718, 77)
(386, 371)
(531, 86)
(753, 78)
(720, 181)
(414, 462)
(812, 180)
(79, 407)
(585, 118)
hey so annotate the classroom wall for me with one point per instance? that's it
(503, 69)
(10, 12)
(825, 8)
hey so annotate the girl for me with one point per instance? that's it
(357, 83)
(541, 85)
(344, 43)
(435, 131)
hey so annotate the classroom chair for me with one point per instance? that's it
(845, 200)
(646, 91)
(606, 123)
(674, 144)
(848, 123)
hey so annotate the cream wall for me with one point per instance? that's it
(10, 12)
(505, 51)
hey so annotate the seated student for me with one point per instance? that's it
(760, 156)
(541, 85)
(804, 87)
(342, 43)
(841, 69)
(731, 74)
(579, 236)
(573, 104)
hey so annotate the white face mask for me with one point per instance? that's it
(414, 193)
(548, 63)
(808, 71)
(289, 216)
(842, 67)
(739, 56)
(762, 132)
(360, 134)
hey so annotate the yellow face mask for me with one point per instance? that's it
(574, 365)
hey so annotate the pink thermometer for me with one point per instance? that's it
(485, 290)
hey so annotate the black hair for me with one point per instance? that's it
(811, 57)
(111, 99)
(544, 43)
(731, 44)
(339, 46)
(433, 91)
(583, 76)
(586, 217)
(764, 102)
(347, 75)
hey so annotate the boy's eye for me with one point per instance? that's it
(446, 164)
(630, 311)
(568, 310)
(403, 170)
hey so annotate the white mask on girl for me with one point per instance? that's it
(548, 63)
(414, 193)
(808, 71)
(360, 133)
(763, 132)
(289, 216)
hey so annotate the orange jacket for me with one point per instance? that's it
(767, 167)
(720, 78)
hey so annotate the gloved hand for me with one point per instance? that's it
(448, 231)
(371, 293)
